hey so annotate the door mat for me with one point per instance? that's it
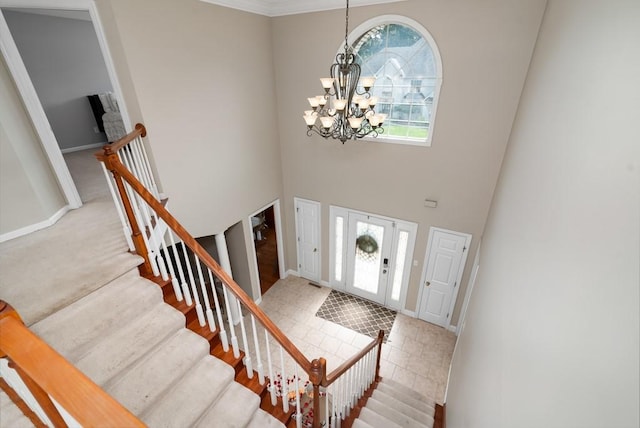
(357, 314)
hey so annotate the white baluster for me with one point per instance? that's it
(205, 297)
(146, 211)
(223, 333)
(118, 202)
(285, 384)
(148, 166)
(144, 177)
(183, 282)
(297, 386)
(256, 345)
(141, 226)
(272, 386)
(175, 283)
(245, 344)
(232, 330)
(192, 282)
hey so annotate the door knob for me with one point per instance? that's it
(315, 250)
(427, 283)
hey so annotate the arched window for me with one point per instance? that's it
(404, 58)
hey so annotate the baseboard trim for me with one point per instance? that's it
(453, 329)
(85, 147)
(409, 313)
(35, 227)
(292, 272)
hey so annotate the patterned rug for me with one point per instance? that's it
(357, 314)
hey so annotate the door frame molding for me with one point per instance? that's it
(257, 291)
(28, 93)
(319, 225)
(423, 277)
(408, 226)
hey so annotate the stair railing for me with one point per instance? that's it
(223, 307)
(54, 383)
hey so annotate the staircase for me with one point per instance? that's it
(136, 347)
(393, 405)
(141, 343)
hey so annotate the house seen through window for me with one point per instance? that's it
(406, 63)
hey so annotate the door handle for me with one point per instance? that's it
(427, 283)
(315, 250)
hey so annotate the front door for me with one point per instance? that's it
(308, 238)
(446, 255)
(368, 256)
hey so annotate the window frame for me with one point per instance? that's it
(366, 26)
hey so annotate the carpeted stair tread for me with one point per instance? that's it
(407, 396)
(375, 420)
(359, 423)
(125, 346)
(403, 407)
(183, 404)
(262, 419)
(74, 329)
(234, 408)
(151, 376)
(383, 409)
(10, 415)
(405, 390)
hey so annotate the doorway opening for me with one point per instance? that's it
(371, 255)
(47, 32)
(265, 241)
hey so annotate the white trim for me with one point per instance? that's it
(399, 19)
(274, 8)
(35, 227)
(255, 287)
(30, 97)
(463, 262)
(407, 312)
(293, 273)
(453, 329)
(85, 147)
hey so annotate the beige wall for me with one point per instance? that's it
(552, 334)
(485, 47)
(29, 193)
(203, 78)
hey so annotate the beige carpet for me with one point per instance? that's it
(46, 270)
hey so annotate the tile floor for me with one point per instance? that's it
(417, 353)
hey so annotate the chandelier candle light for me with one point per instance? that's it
(344, 113)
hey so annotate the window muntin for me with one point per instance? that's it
(405, 61)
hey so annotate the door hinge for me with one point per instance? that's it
(297, 209)
(454, 284)
(464, 248)
(447, 314)
(298, 239)
(300, 266)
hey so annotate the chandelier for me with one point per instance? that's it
(344, 113)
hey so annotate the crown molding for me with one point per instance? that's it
(273, 8)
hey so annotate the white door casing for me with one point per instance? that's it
(368, 277)
(444, 264)
(307, 215)
(30, 98)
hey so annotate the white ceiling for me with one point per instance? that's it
(292, 7)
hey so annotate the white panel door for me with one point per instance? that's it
(369, 256)
(308, 238)
(445, 263)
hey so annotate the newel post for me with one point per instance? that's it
(380, 340)
(317, 375)
(111, 159)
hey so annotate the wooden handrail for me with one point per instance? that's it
(138, 131)
(342, 368)
(112, 162)
(316, 369)
(37, 362)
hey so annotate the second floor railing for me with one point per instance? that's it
(221, 305)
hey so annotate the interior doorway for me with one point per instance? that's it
(83, 11)
(265, 241)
